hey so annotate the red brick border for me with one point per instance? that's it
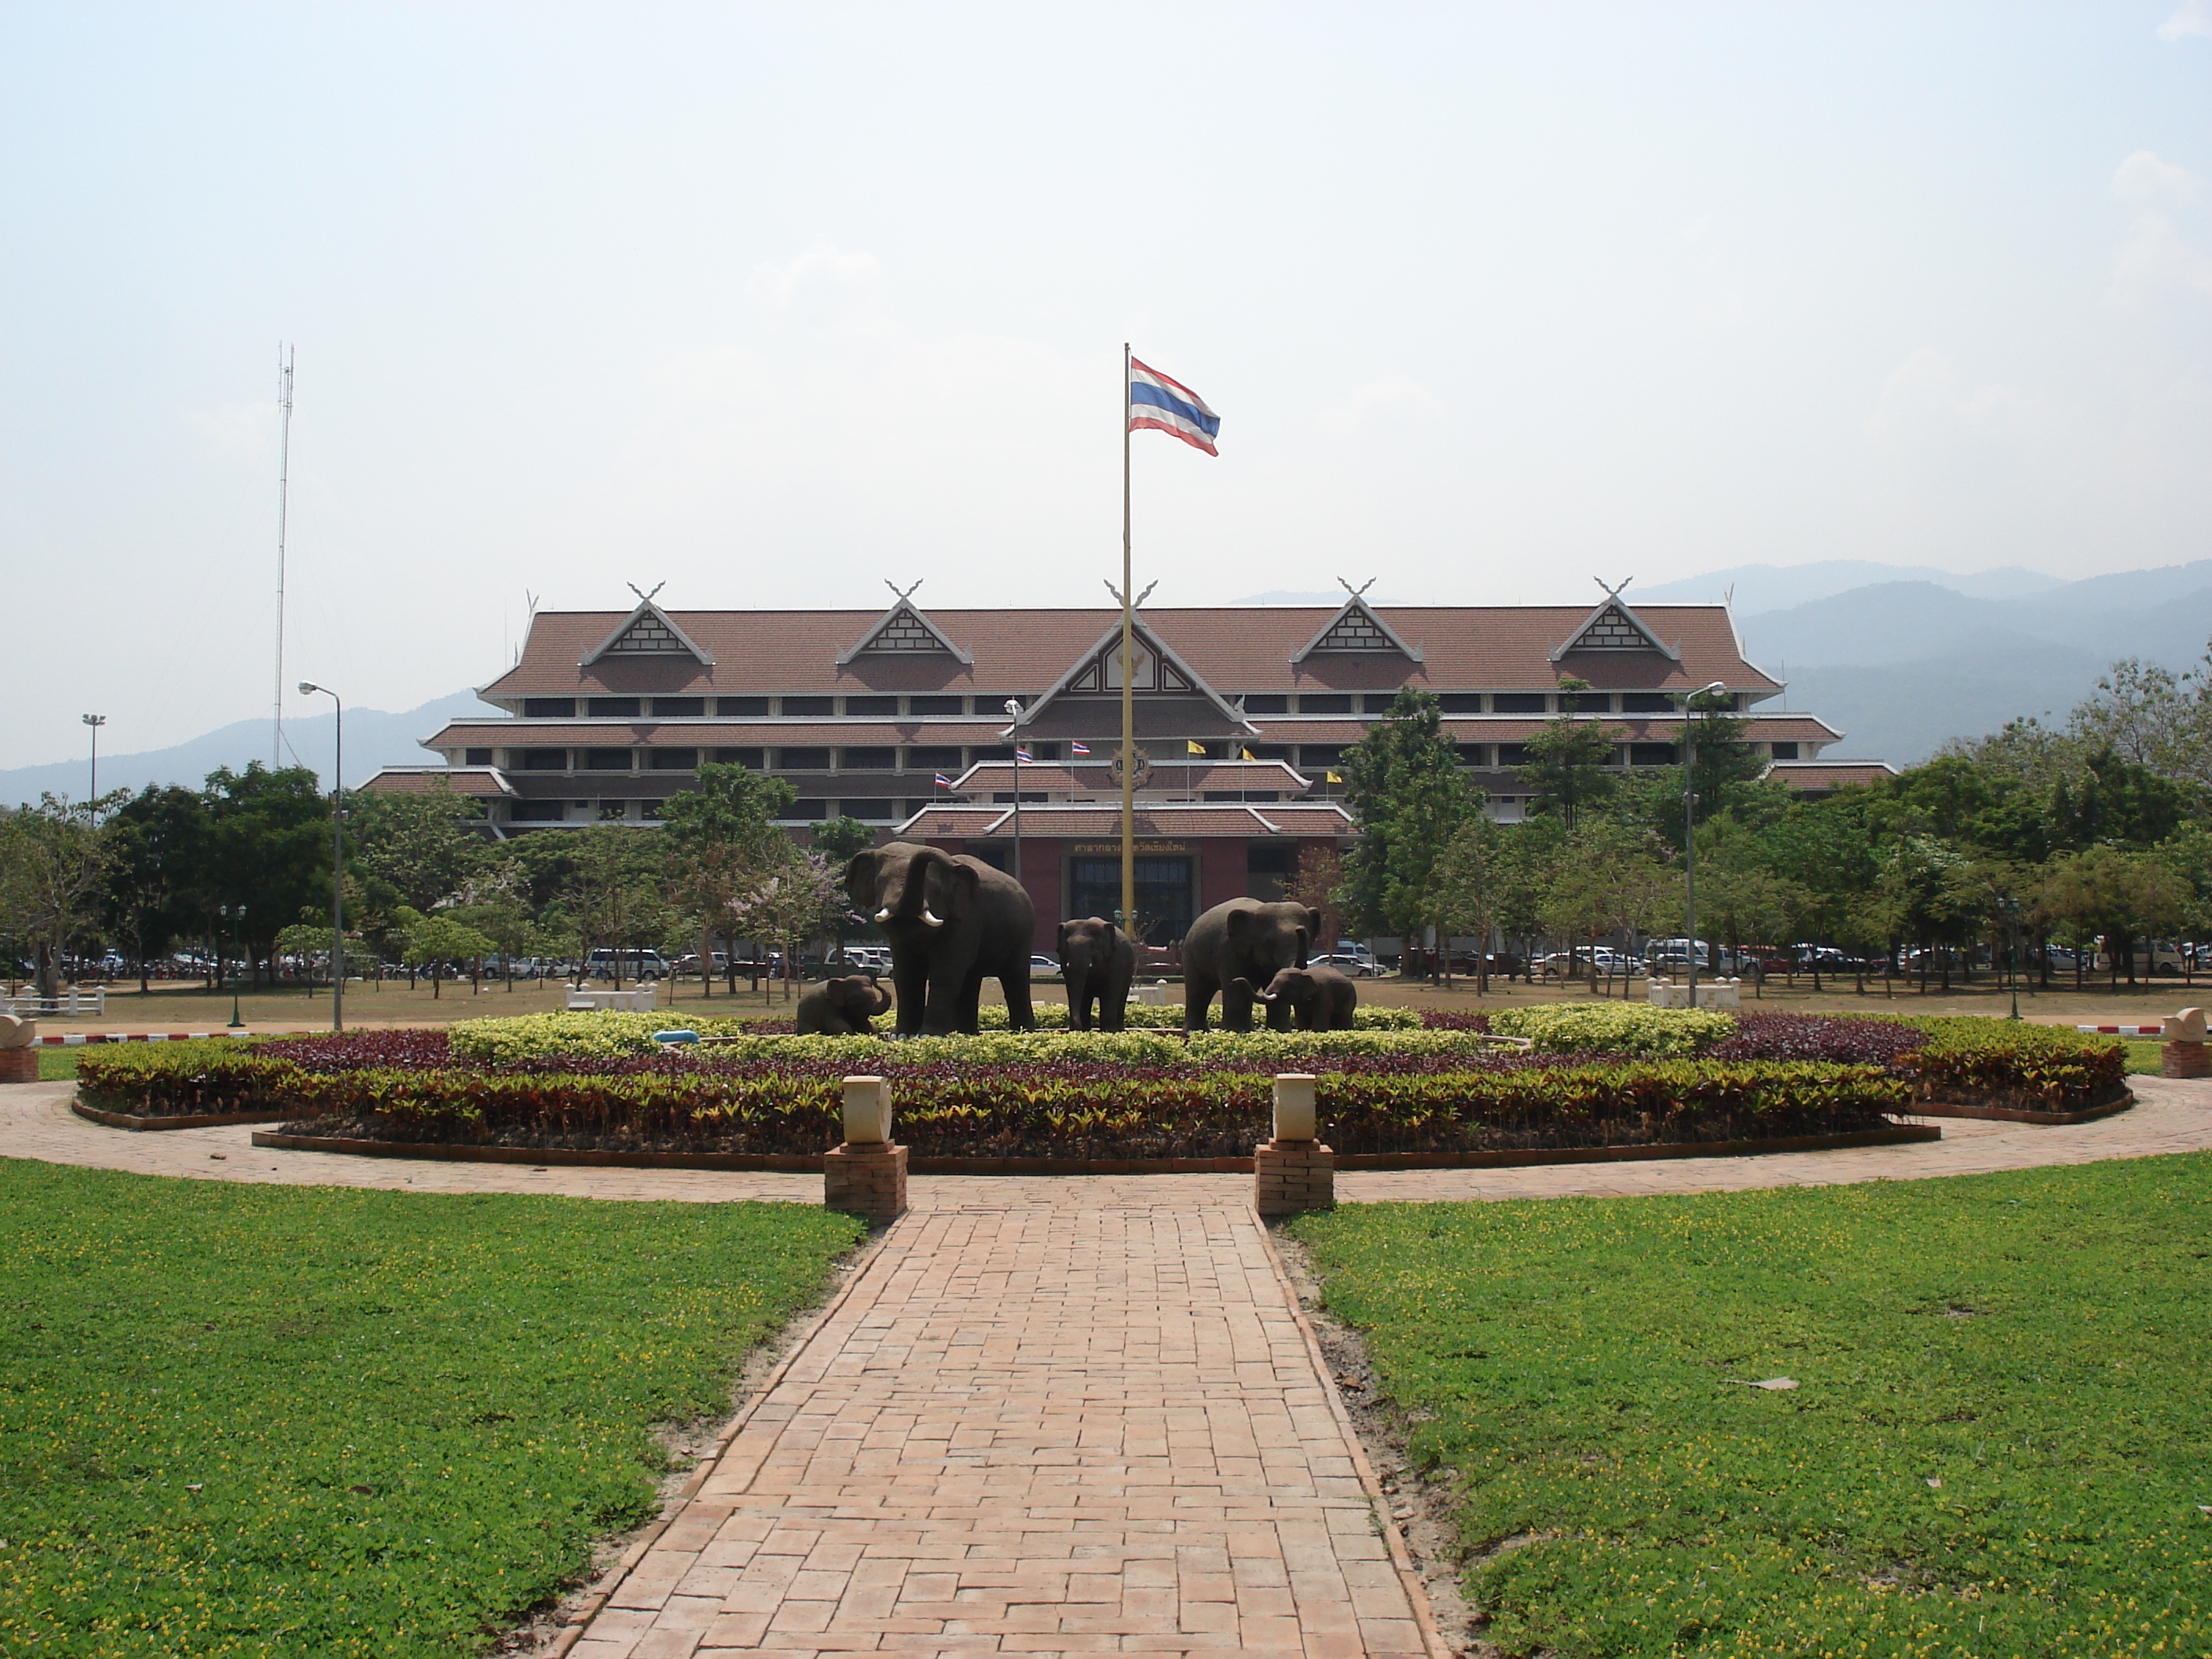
(811, 1163)
(184, 1120)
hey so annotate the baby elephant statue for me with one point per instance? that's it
(1098, 960)
(1320, 999)
(843, 1007)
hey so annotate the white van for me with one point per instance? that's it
(635, 964)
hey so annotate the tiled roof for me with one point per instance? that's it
(1091, 778)
(1234, 648)
(1821, 775)
(1102, 733)
(1153, 821)
(480, 783)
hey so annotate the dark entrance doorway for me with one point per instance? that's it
(1162, 891)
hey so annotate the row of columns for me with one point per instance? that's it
(1292, 1171)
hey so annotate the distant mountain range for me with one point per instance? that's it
(1901, 666)
(1899, 658)
(373, 740)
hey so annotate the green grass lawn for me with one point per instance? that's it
(2000, 1444)
(57, 1065)
(2144, 1055)
(242, 1419)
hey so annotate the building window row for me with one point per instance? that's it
(872, 707)
(1311, 758)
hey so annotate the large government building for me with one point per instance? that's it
(993, 731)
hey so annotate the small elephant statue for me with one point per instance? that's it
(843, 1007)
(1098, 961)
(1320, 999)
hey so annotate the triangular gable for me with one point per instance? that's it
(1614, 627)
(1355, 626)
(903, 631)
(647, 631)
(1157, 672)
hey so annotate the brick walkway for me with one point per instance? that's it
(1036, 1429)
(1052, 1415)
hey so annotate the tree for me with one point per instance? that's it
(416, 848)
(724, 842)
(1612, 880)
(1470, 884)
(1570, 763)
(610, 887)
(1404, 787)
(2117, 895)
(153, 894)
(1316, 880)
(52, 860)
(836, 840)
(269, 849)
(806, 896)
(433, 941)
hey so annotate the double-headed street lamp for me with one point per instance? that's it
(1690, 826)
(308, 689)
(234, 913)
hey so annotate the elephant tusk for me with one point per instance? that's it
(931, 919)
(884, 915)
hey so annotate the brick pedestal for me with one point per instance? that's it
(2185, 1059)
(867, 1181)
(21, 1066)
(1290, 1177)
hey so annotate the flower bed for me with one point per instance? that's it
(598, 1080)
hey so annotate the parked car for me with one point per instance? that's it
(1352, 966)
(1043, 967)
(635, 964)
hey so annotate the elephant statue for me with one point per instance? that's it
(1098, 961)
(1243, 943)
(843, 1007)
(951, 919)
(1320, 999)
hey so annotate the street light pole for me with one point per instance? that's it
(1690, 829)
(95, 721)
(234, 915)
(308, 688)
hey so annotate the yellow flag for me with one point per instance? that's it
(1191, 745)
(1247, 754)
(1334, 778)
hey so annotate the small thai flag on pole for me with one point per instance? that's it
(1078, 748)
(1022, 757)
(944, 782)
(1157, 404)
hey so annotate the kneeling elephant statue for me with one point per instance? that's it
(843, 1007)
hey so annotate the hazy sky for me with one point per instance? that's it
(773, 302)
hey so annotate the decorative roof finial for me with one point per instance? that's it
(644, 597)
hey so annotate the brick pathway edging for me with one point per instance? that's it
(580, 1617)
(1417, 1595)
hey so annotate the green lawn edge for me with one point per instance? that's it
(239, 1419)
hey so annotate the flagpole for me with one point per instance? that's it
(1128, 682)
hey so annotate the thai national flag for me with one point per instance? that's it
(1024, 757)
(944, 782)
(1159, 404)
(1079, 749)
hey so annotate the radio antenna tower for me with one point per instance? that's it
(284, 500)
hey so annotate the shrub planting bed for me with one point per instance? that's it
(597, 1082)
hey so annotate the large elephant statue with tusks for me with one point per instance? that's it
(952, 921)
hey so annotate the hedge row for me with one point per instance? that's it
(1070, 1112)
